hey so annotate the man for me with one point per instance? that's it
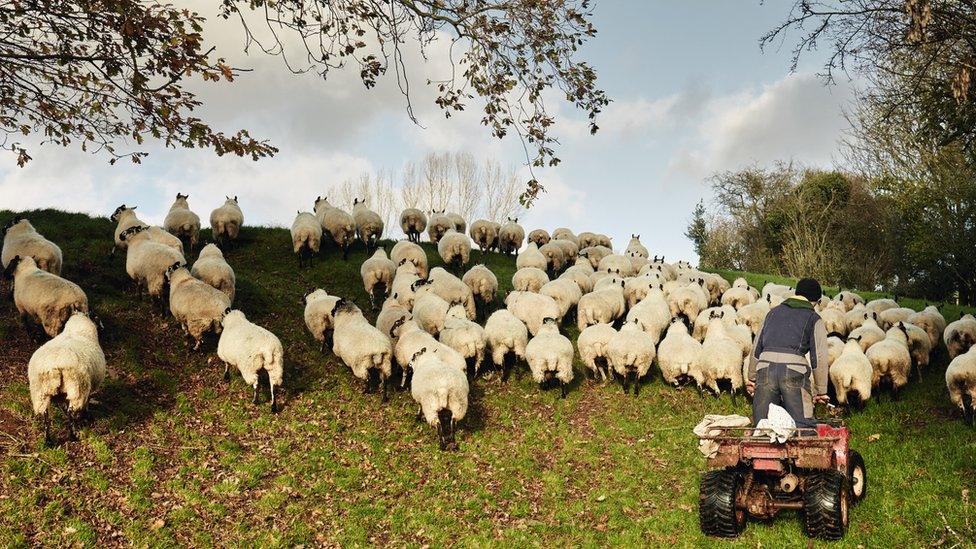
(778, 370)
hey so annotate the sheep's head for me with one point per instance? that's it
(8, 273)
(118, 212)
(396, 325)
(307, 295)
(172, 269)
(13, 221)
(417, 355)
(420, 283)
(182, 196)
(229, 199)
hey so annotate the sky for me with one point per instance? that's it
(692, 94)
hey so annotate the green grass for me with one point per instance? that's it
(173, 457)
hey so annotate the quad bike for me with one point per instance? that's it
(814, 472)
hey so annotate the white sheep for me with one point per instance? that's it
(125, 217)
(891, 359)
(181, 222)
(507, 337)
(212, 268)
(849, 299)
(931, 320)
(721, 358)
(834, 321)
(20, 238)
(413, 222)
(635, 248)
(483, 284)
(738, 297)
(856, 316)
(960, 380)
(251, 349)
(631, 354)
(450, 288)
(580, 275)
(593, 345)
(43, 298)
(532, 309)
(377, 274)
(919, 346)
(460, 225)
(595, 254)
(550, 356)
(881, 304)
(562, 233)
(442, 393)
(529, 279)
(318, 316)
(700, 327)
(771, 289)
(146, 261)
(556, 256)
(410, 338)
(430, 311)
(465, 337)
(455, 249)
(540, 237)
(369, 224)
(615, 263)
(196, 305)
(652, 312)
(406, 251)
(510, 236)
(367, 351)
(851, 374)
(835, 346)
(960, 335)
(484, 234)
(389, 314)
(438, 225)
(602, 305)
(637, 287)
(226, 221)
(868, 333)
(71, 366)
(306, 237)
(338, 224)
(753, 315)
(687, 301)
(405, 279)
(565, 292)
(531, 257)
(889, 317)
(677, 356)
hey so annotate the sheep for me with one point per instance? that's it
(532, 309)
(919, 346)
(891, 359)
(889, 317)
(405, 280)
(43, 298)
(777, 290)
(563, 233)
(531, 257)
(377, 274)
(483, 284)
(579, 274)
(338, 224)
(753, 315)
(211, 268)
(595, 254)
(834, 321)
(430, 311)
(603, 305)
(879, 305)
(960, 335)
(460, 225)
(556, 257)
(495, 229)
(306, 237)
(413, 222)
(367, 351)
(851, 374)
(369, 224)
(68, 369)
(652, 312)
(408, 338)
(20, 238)
(721, 358)
(529, 279)
(593, 345)
(251, 349)
(226, 221)
(506, 337)
(617, 263)
(564, 292)
(450, 288)
(856, 316)
(389, 314)
(183, 223)
(631, 354)
(960, 380)
(930, 320)
(586, 239)
(868, 333)
(438, 225)
(738, 297)
(125, 217)
(668, 270)
(540, 237)
(677, 356)
(510, 237)
(196, 305)
(405, 251)
(603, 240)
(484, 234)
(569, 248)
(635, 288)
(700, 327)
(849, 299)
(550, 356)
(146, 261)
(687, 301)
(835, 346)
(455, 249)
(318, 315)
(465, 337)
(635, 248)
(442, 393)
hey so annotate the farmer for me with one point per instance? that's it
(778, 369)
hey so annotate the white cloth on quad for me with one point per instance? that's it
(778, 424)
(711, 425)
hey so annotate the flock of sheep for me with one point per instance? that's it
(632, 311)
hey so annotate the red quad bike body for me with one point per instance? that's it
(814, 472)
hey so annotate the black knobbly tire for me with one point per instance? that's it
(717, 515)
(857, 477)
(826, 496)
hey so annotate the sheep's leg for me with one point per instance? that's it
(420, 414)
(626, 383)
(732, 391)
(345, 253)
(226, 373)
(564, 388)
(72, 417)
(918, 368)
(507, 366)
(636, 385)
(274, 401)
(967, 408)
(47, 427)
(386, 386)
(255, 399)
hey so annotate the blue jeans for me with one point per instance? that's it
(778, 384)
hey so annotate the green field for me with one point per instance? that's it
(172, 456)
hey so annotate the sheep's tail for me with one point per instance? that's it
(49, 385)
(219, 228)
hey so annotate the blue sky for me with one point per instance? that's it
(692, 95)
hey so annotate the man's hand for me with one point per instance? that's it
(821, 399)
(751, 387)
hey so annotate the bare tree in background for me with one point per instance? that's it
(377, 189)
(502, 187)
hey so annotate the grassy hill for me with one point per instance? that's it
(173, 456)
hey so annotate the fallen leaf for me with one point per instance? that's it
(70, 530)
(874, 437)
(157, 524)
(601, 497)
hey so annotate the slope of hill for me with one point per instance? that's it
(170, 455)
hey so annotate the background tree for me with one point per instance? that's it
(697, 230)
(108, 74)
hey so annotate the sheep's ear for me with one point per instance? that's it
(227, 311)
(235, 198)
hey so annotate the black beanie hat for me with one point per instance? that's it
(809, 288)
